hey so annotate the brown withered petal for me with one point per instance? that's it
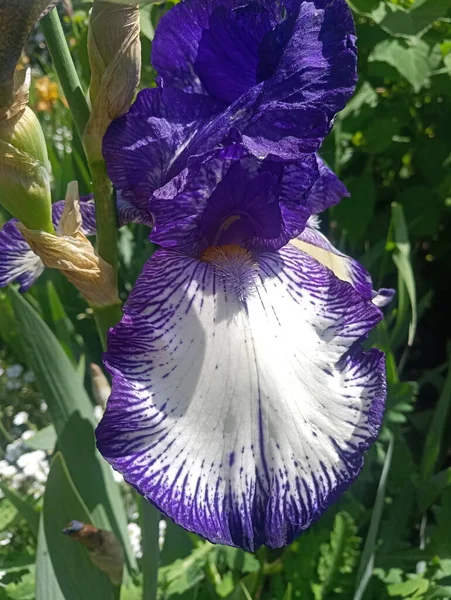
(17, 18)
(73, 254)
(103, 546)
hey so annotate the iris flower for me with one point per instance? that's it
(242, 400)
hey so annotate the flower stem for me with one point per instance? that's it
(106, 316)
(65, 69)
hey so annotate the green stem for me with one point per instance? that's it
(65, 69)
(106, 218)
(150, 518)
(106, 317)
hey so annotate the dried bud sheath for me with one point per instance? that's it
(115, 56)
(73, 254)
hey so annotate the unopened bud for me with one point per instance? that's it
(73, 254)
(24, 163)
(115, 57)
(17, 18)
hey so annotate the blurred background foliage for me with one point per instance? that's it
(389, 536)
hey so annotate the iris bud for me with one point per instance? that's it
(115, 57)
(24, 163)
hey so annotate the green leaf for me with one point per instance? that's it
(239, 560)
(24, 507)
(434, 436)
(415, 587)
(410, 58)
(406, 280)
(367, 560)
(64, 568)
(354, 214)
(72, 415)
(339, 557)
(150, 519)
(422, 208)
(430, 489)
(44, 439)
(413, 21)
(182, 575)
(8, 513)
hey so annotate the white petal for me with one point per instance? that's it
(242, 420)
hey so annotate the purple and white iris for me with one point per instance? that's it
(242, 400)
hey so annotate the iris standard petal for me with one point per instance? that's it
(327, 190)
(314, 243)
(140, 147)
(242, 419)
(18, 263)
(303, 51)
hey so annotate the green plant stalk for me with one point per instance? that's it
(150, 518)
(106, 316)
(65, 69)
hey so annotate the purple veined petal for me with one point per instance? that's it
(242, 419)
(303, 51)
(327, 190)
(227, 196)
(88, 214)
(314, 243)
(140, 147)
(18, 263)
(128, 212)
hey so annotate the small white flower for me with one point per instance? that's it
(13, 384)
(5, 538)
(7, 470)
(43, 406)
(33, 464)
(2, 574)
(161, 533)
(29, 377)
(14, 371)
(26, 435)
(134, 534)
(21, 418)
(13, 451)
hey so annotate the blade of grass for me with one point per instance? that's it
(367, 560)
(24, 507)
(434, 435)
(150, 519)
(406, 287)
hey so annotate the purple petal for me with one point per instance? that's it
(327, 190)
(18, 263)
(227, 197)
(242, 420)
(140, 147)
(304, 51)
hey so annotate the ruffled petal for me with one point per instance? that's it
(327, 190)
(314, 243)
(304, 51)
(18, 263)
(228, 197)
(140, 147)
(242, 419)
